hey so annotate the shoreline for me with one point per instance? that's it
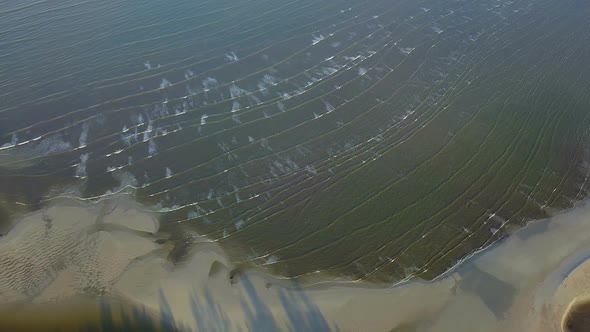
(515, 280)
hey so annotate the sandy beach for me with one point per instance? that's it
(108, 251)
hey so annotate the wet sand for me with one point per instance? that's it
(109, 251)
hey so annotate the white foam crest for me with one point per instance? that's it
(239, 224)
(115, 168)
(81, 167)
(83, 136)
(160, 111)
(128, 139)
(235, 106)
(139, 119)
(148, 131)
(204, 119)
(235, 91)
(152, 148)
(13, 142)
(168, 172)
(311, 170)
(209, 83)
(329, 107)
(270, 80)
(50, 145)
(127, 182)
(255, 99)
(328, 71)
(113, 153)
(351, 58)
(231, 56)
(161, 132)
(165, 83)
(224, 146)
(406, 50)
(271, 260)
(188, 74)
(316, 39)
(262, 88)
(193, 215)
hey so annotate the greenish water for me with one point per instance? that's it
(371, 140)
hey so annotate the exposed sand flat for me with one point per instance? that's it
(62, 251)
(516, 285)
(128, 215)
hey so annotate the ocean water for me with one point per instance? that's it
(361, 140)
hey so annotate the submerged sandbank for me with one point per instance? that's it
(112, 250)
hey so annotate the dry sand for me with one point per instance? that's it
(525, 283)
